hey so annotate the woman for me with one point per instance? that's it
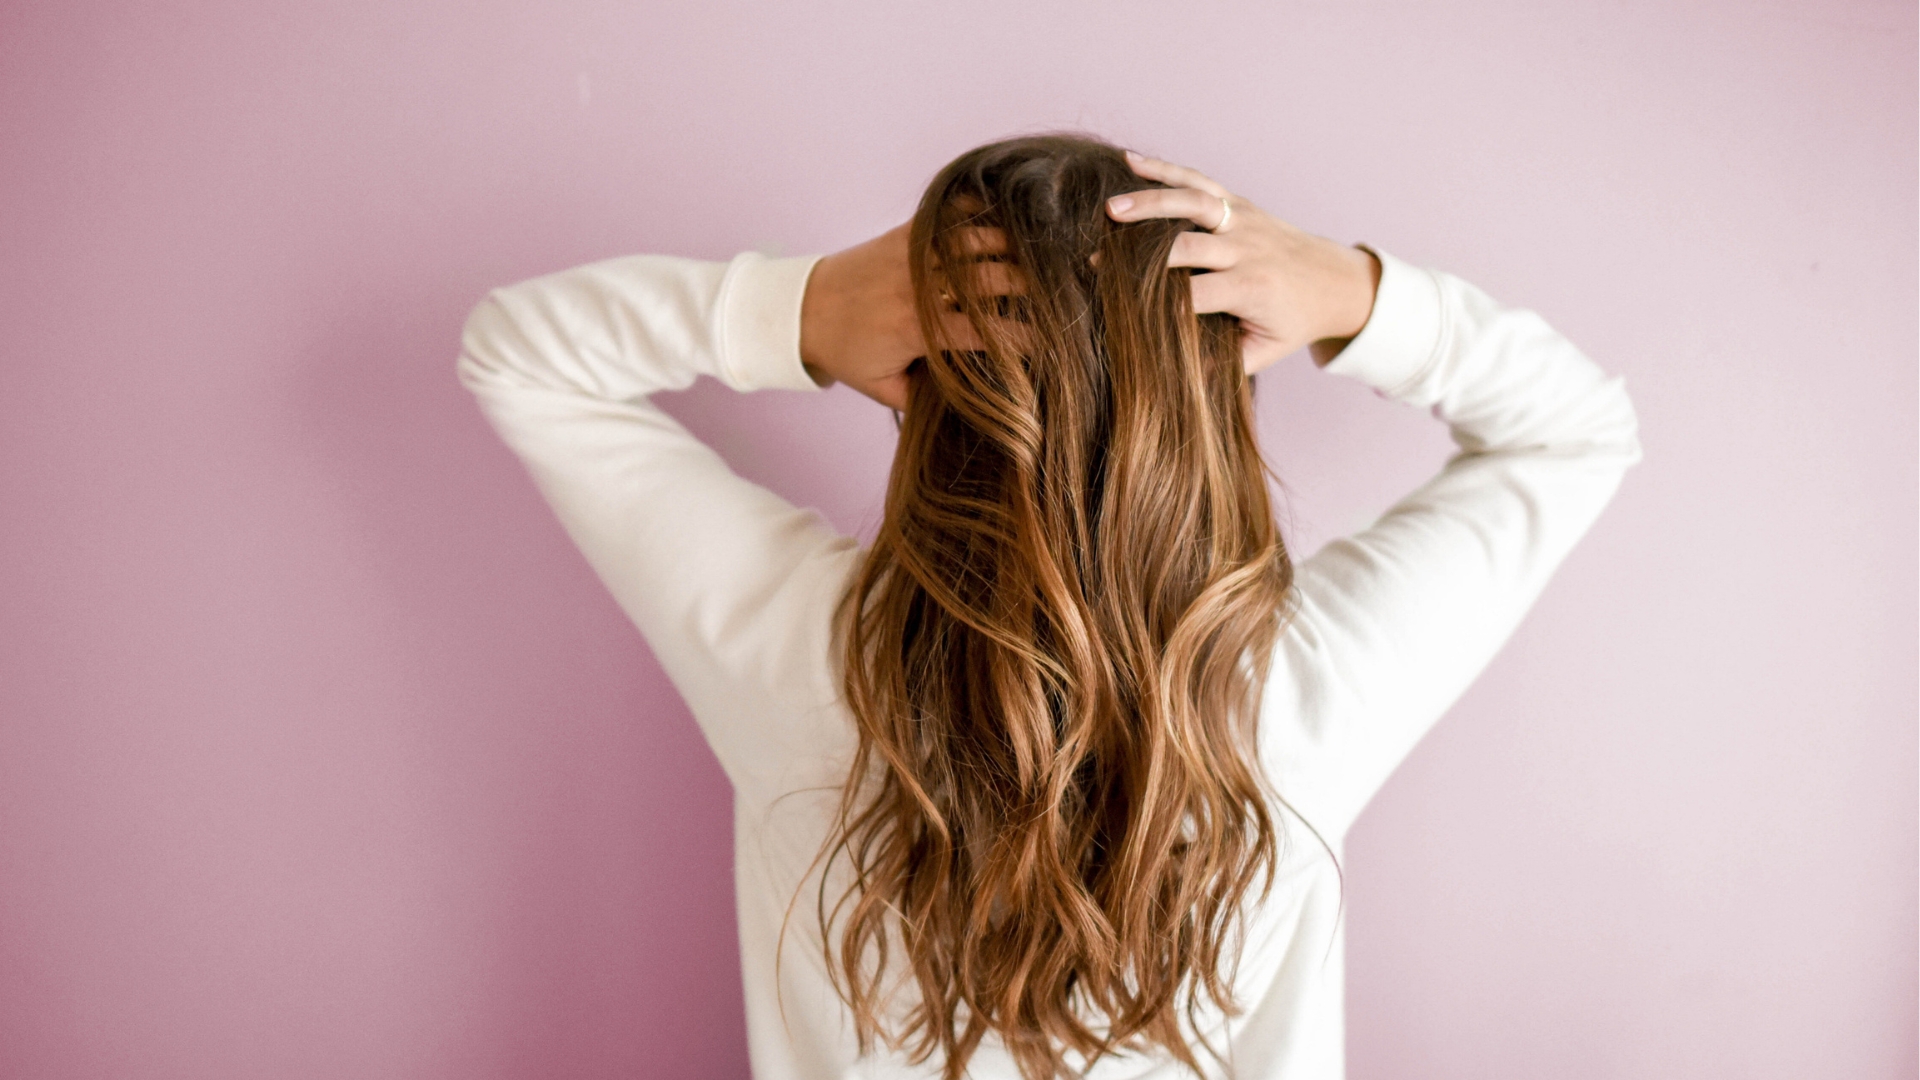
(1053, 774)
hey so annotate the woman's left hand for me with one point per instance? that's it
(857, 319)
(1288, 287)
(858, 324)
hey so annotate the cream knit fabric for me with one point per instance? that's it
(732, 587)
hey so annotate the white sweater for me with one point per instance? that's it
(733, 587)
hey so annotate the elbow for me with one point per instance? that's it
(1623, 429)
(483, 358)
(1599, 428)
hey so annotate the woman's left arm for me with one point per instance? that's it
(730, 584)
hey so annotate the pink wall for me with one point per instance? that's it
(323, 755)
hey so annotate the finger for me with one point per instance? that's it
(983, 256)
(1200, 207)
(1213, 293)
(890, 391)
(975, 244)
(1002, 319)
(960, 332)
(980, 241)
(1178, 175)
(1203, 251)
(983, 280)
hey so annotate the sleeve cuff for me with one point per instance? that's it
(1402, 337)
(759, 316)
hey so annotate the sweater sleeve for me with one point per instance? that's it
(729, 584)
(1391, 624)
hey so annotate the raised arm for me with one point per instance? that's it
(1390, 625)
(727, 581)
(1394, 622)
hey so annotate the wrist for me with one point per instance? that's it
(1359, 283)
(817, 315)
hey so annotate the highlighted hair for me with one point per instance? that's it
(1054, 647)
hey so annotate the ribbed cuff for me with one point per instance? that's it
(760, 322)
(1402, 337)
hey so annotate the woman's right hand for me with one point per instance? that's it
(1288, 287)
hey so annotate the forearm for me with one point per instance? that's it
(624, 328)
(1394, 621)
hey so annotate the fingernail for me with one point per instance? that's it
(1131, 156)
(1120, 204)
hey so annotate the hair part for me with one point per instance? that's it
(1053, 649)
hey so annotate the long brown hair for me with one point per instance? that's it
(1054, 647)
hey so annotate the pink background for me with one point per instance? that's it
(323, 755)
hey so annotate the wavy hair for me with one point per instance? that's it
(1053, 649)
